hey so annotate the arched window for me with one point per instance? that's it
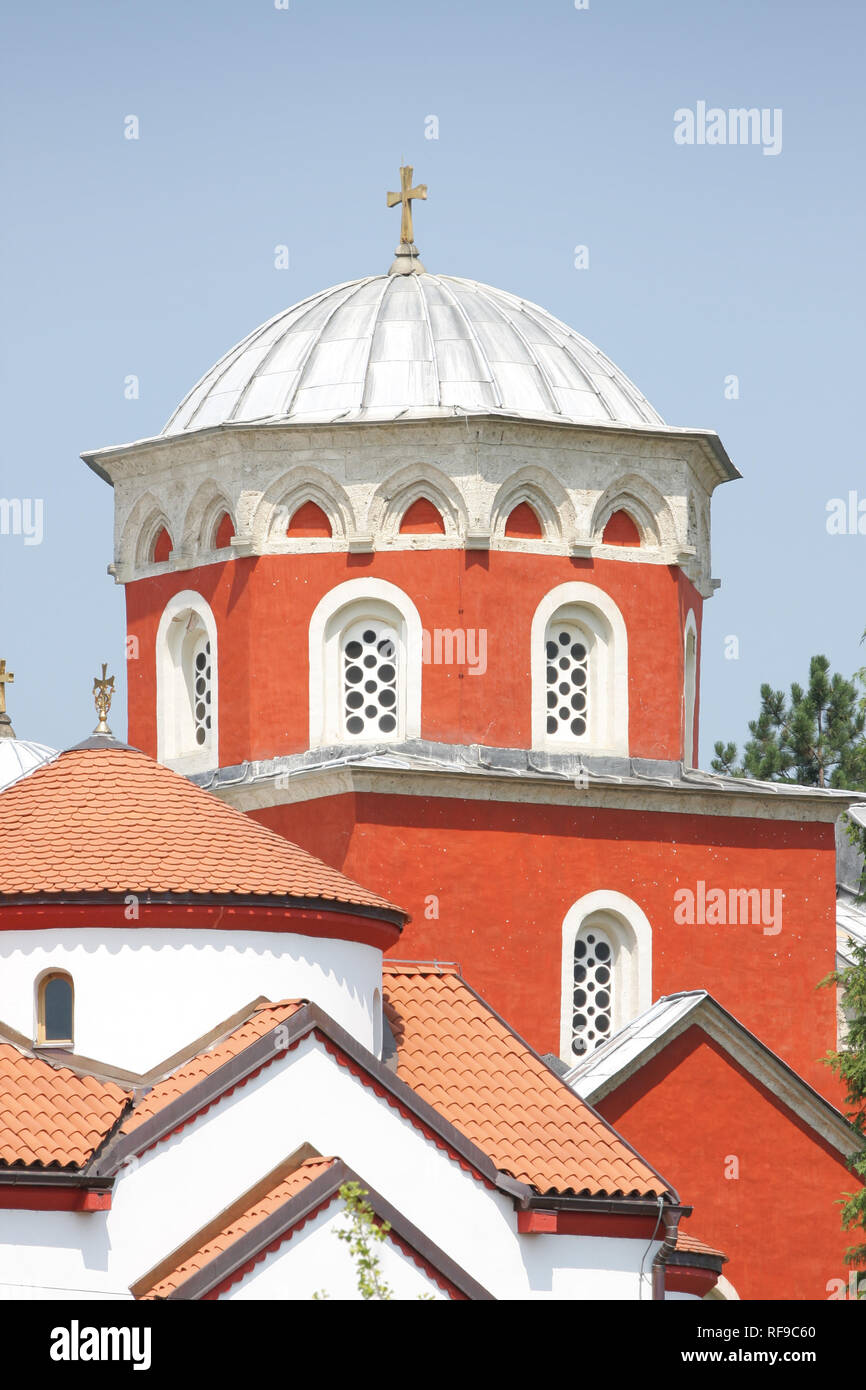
(606, 970)
(690, 667)
(54, 1009)
(568, 649)
(365, 665)
(579, 672)
(595, 985)
(370, 659)
(186, 657)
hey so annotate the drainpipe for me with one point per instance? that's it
(660, 1260)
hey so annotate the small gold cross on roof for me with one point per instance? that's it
(405, 196)
(103, 689)
(5, 678)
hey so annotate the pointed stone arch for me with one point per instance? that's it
(415, 483)
(648, 509)
(537, 488)
(203, 516)
(291, 491)
(140, 530)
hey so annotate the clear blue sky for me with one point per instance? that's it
(261, 126)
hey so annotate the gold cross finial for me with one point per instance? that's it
(407, 247)
(103, 689)
(6, 730)
(5, 678)
(405, 196)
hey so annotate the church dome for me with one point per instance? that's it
(18, 756)
(416, 346)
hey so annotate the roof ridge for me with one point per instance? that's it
(538, 1135)
(421, 967)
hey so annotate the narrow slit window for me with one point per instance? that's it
(200, 681)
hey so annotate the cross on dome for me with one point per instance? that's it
(6, 730)
(103, 689)
(407, 262)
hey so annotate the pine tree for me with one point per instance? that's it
(849, 1063)
(815, 738)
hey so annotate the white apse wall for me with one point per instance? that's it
(142, 994)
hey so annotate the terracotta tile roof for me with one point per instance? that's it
(238, 1226)
(692, 1246)
(49, 1115)
(111, 819)
(461, 1058)
(222, 1050)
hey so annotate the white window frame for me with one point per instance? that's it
(630, 934)
(338, 609)
(172, 701)
(690, 688)
(591, 608)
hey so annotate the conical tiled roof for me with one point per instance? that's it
(104, 818)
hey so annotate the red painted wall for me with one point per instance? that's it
(504, 877)
(263, 605)
(690, 1110)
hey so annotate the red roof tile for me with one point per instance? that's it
(691, 1245)
(188, 1074)
(112, 820)
(238, 1225)
(49, 1115)
(461, 1058)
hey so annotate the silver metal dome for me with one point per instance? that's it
(18, 757)
(416, 346)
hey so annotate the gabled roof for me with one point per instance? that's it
(462, 1075)
(244, 1217)
(267, 1216)
(104, 818)
(458, 1054)
(51, 1117)
(606, 1068)
(182, 1079)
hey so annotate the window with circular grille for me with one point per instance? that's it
(202, 689)
(593, 991)
(369, 666)
(567, 681)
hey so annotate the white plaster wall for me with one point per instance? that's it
(306, 1096)
(316, 1261)
(57, 1255)
(142, 994)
